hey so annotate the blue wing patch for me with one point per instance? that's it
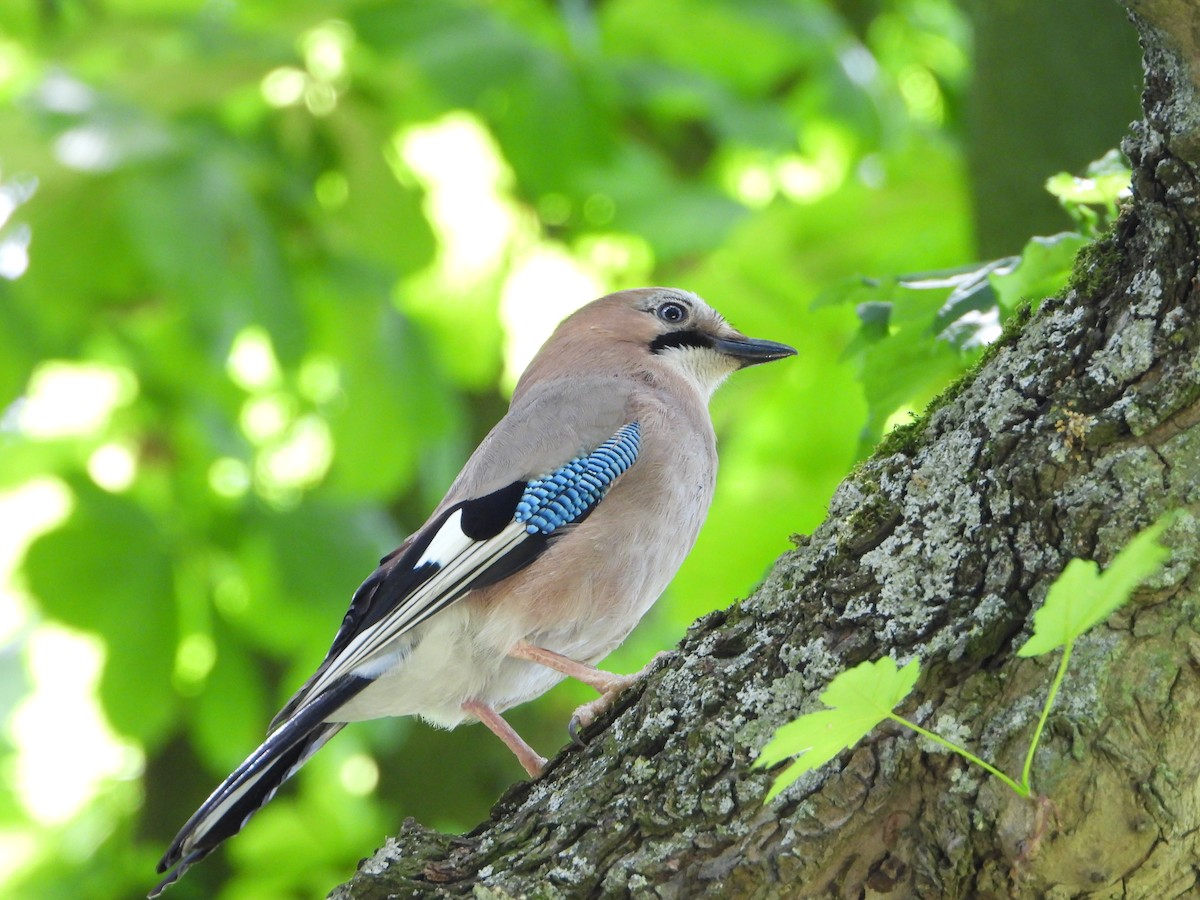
(566, 494)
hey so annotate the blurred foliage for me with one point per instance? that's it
(266, 274)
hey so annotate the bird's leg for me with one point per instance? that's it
(602, 681)
(608, 684)
(530, 759)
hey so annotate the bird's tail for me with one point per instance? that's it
(255, 781)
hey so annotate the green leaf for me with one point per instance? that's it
(1082, 596)
(860, 698)
(1106, 182)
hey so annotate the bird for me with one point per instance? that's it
(560, 532)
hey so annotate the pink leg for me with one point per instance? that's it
(589, 675)
(526, 755)
(608, 684)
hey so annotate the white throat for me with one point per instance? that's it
(704, 368)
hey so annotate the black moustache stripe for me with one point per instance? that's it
(680, 339)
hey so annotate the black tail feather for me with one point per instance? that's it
(255, 781)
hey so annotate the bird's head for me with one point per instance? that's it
(654, 329)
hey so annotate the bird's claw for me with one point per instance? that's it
(589, 712)
(573, 730)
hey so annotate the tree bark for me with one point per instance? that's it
(1077, 430)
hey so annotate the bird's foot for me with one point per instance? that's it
(589, 712)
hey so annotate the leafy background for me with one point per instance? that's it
(268, 271)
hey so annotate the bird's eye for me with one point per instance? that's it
(672, 312)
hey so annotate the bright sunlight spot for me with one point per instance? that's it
(293, 453)
(264, 418)
(826, 155)
(73, 399)
(544, 287)
(905, 415)
(466, 183)
(14, 252)
(858, 64)
(61, 93)
(17, 850)
(755, 179)
(88, 148)
(748, 178)
(14, 243)
(324, 49)
(359, 775)
(112, 466)
(283, 86)
(617, 257)
(320, 97)
(800, 179)
(299, 461)
(754, 186)
(16, 66)
(55, 780)
(13, 193)
(252, 364)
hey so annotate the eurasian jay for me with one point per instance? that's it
(561, 530)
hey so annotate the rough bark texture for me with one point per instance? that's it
(1078, 430)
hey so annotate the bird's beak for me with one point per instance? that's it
(751, 351)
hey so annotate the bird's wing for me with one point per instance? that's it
(470, 544)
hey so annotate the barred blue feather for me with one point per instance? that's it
(566, 494)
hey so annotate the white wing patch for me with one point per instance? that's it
(447, 543)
